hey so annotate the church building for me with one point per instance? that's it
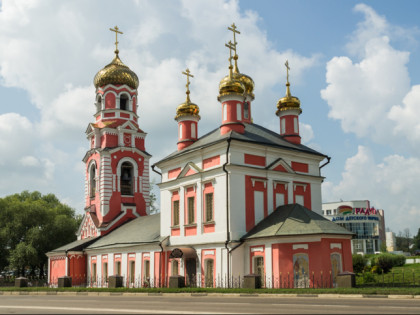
(239, 200)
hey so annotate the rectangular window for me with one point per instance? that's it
(283, 125)
(175, 208)
(279, 200)
(209, 207)
(118, 268)
(300, 200)
(191, 218)
(238, 112)
(132, 271)
(94, 271)
(258, 206)
(193, 130)
(147, 269)
(246, 110)
(105, 271)
(295, 125)
(224, 112)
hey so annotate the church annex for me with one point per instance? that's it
(239, 200)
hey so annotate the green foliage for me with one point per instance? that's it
(376, 269)
(387, 261)
(383, 248)
(369, 277)
(416, 240)
(32, 224)
(22, 256)
(359, 263)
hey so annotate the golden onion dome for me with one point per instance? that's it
(246, 80)
(116, 73)
(230, 85)
(187, 109)
(288, 102)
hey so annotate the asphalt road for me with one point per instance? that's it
(87, 304)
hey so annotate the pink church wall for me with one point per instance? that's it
(319, 254)
(57, 268)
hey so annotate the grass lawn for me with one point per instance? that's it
(362, 290)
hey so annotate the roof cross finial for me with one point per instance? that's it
(231, 47)
(188, 74)
(234, 30)
(117, 31)
(287, 70)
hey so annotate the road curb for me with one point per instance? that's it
(215, 294)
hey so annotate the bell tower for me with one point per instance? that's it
(117, 164)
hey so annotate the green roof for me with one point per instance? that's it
(142, 230)
(294, 219)
(78, 245)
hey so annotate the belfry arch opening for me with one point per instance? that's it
(126, 180)
(124, 101)
(92, 180)
(98, 103)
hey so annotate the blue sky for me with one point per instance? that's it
(354, 66)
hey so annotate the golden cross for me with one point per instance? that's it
(188, 74)
(231, 47)
(288, 68)
(117, 31)
(234, 31)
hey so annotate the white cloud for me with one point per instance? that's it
(393, 185)
(364, 95)
(406, 120)
(306, 132)
(52, 49)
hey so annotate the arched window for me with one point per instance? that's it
(301, 270)
(126, 179)
(98, 103)
(92, 180)
(259, 267)
(124, 102)
(336, 266)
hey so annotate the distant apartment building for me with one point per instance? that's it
(357, 216)
(391, 242)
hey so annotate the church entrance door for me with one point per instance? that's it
(191, 267)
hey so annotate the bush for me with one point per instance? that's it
(387, 261)
(399, 260)
(359, 263)
(376, 269)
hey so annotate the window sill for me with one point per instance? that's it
(190, 225)
(175, 227)
(209, 223)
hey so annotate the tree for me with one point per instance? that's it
(32, 224)
(22, 256)
(416, 240)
